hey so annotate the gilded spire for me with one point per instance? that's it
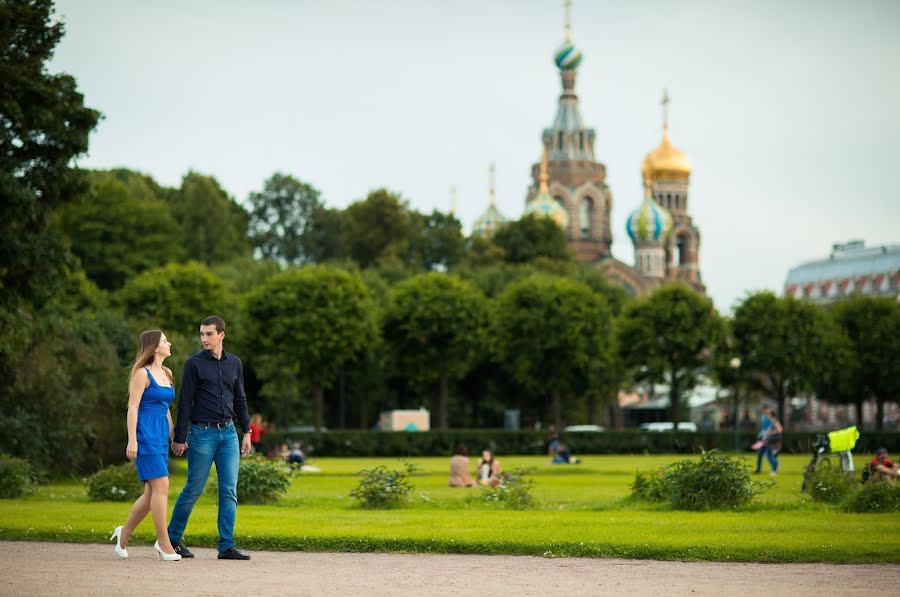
(491, 191)
(568, 5)
(665, 107)
(545, 178)
(453, 199)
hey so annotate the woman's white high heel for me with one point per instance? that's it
(168, 557)
(120, 551)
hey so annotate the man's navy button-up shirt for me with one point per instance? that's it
(212, 390)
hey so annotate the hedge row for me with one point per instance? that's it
(441, 443)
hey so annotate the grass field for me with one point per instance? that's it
(581, 512)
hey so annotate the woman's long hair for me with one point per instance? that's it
(147, 344)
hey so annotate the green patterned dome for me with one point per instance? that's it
(567, 57)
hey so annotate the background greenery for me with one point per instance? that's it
(340, 314)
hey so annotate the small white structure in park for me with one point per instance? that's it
(405, 420)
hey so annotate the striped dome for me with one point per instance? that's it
(545, 205)
(648, 222)
(567, 57)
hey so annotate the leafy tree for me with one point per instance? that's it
(379, 227)
(441, 243)
(669, 336)
(481, 251)
(281, 218)
(324, 238)
(43, 126)
(174, 298)
(213, 226)
(119, 228)
(551, 334)
(433, 329)
(784, 345)
(310, 322)
(531, 237)
(872, 325)
(66, 395)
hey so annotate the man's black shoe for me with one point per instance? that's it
(181, 550)
(233, 554)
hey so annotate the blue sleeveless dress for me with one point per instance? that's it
(153, 431)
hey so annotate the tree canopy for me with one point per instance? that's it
(669, 336)
(45, 124)
(550, 334)
(281, 219)
(532, 237)
(434, 329)
(310, 322)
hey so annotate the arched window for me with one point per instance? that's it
(581, 140)
(682, 249)
(677, 202)
(586, 216)
(559, 140)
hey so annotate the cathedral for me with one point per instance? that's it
(569, 187)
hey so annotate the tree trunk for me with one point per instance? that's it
(675, 402)
(318, 394)
(442, 406)
(879, 413)
(592, 408)
(364, 410)
(782, 406)
(556, 406)
(859, 413)
(285, 418)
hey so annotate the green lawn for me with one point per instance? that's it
(581, 512)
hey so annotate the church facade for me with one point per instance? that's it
(569, 185)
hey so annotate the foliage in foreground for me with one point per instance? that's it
(16, 477)
(829, 483)
(383, 488)
(875, 497)
(118, 483)
(715, 481)
(260, 480)
(513, 491)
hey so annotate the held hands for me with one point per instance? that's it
(131, 451)
(178, 449)
(245, 444)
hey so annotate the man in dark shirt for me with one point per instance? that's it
(211, 397)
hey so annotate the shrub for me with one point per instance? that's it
(118, 483)
(260, 480)
(715, 481)
(649, 486)
(874, 496)
(383, 488)
(828, 483)
(513, 491)
(16, 477)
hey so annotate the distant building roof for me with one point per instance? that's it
(851, 268)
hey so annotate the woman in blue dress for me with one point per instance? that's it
(151, 388)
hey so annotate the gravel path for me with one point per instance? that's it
(75, 569)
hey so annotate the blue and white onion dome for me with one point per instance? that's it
(567, 57)
(545, 205)
(650, 221)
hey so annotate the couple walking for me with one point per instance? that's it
(211, 397)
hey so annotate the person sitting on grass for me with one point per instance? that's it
(459, 468)
(488, 469)
(882, 468)
(563, 456)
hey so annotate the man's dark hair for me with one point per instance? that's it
(460, 450)
(216, 321)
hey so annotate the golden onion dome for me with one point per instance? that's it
(666, 162)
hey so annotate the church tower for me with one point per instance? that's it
(666, 172)
(575, 181)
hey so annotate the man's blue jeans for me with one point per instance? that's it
(205, 446)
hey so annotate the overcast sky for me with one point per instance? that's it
(789, 111)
